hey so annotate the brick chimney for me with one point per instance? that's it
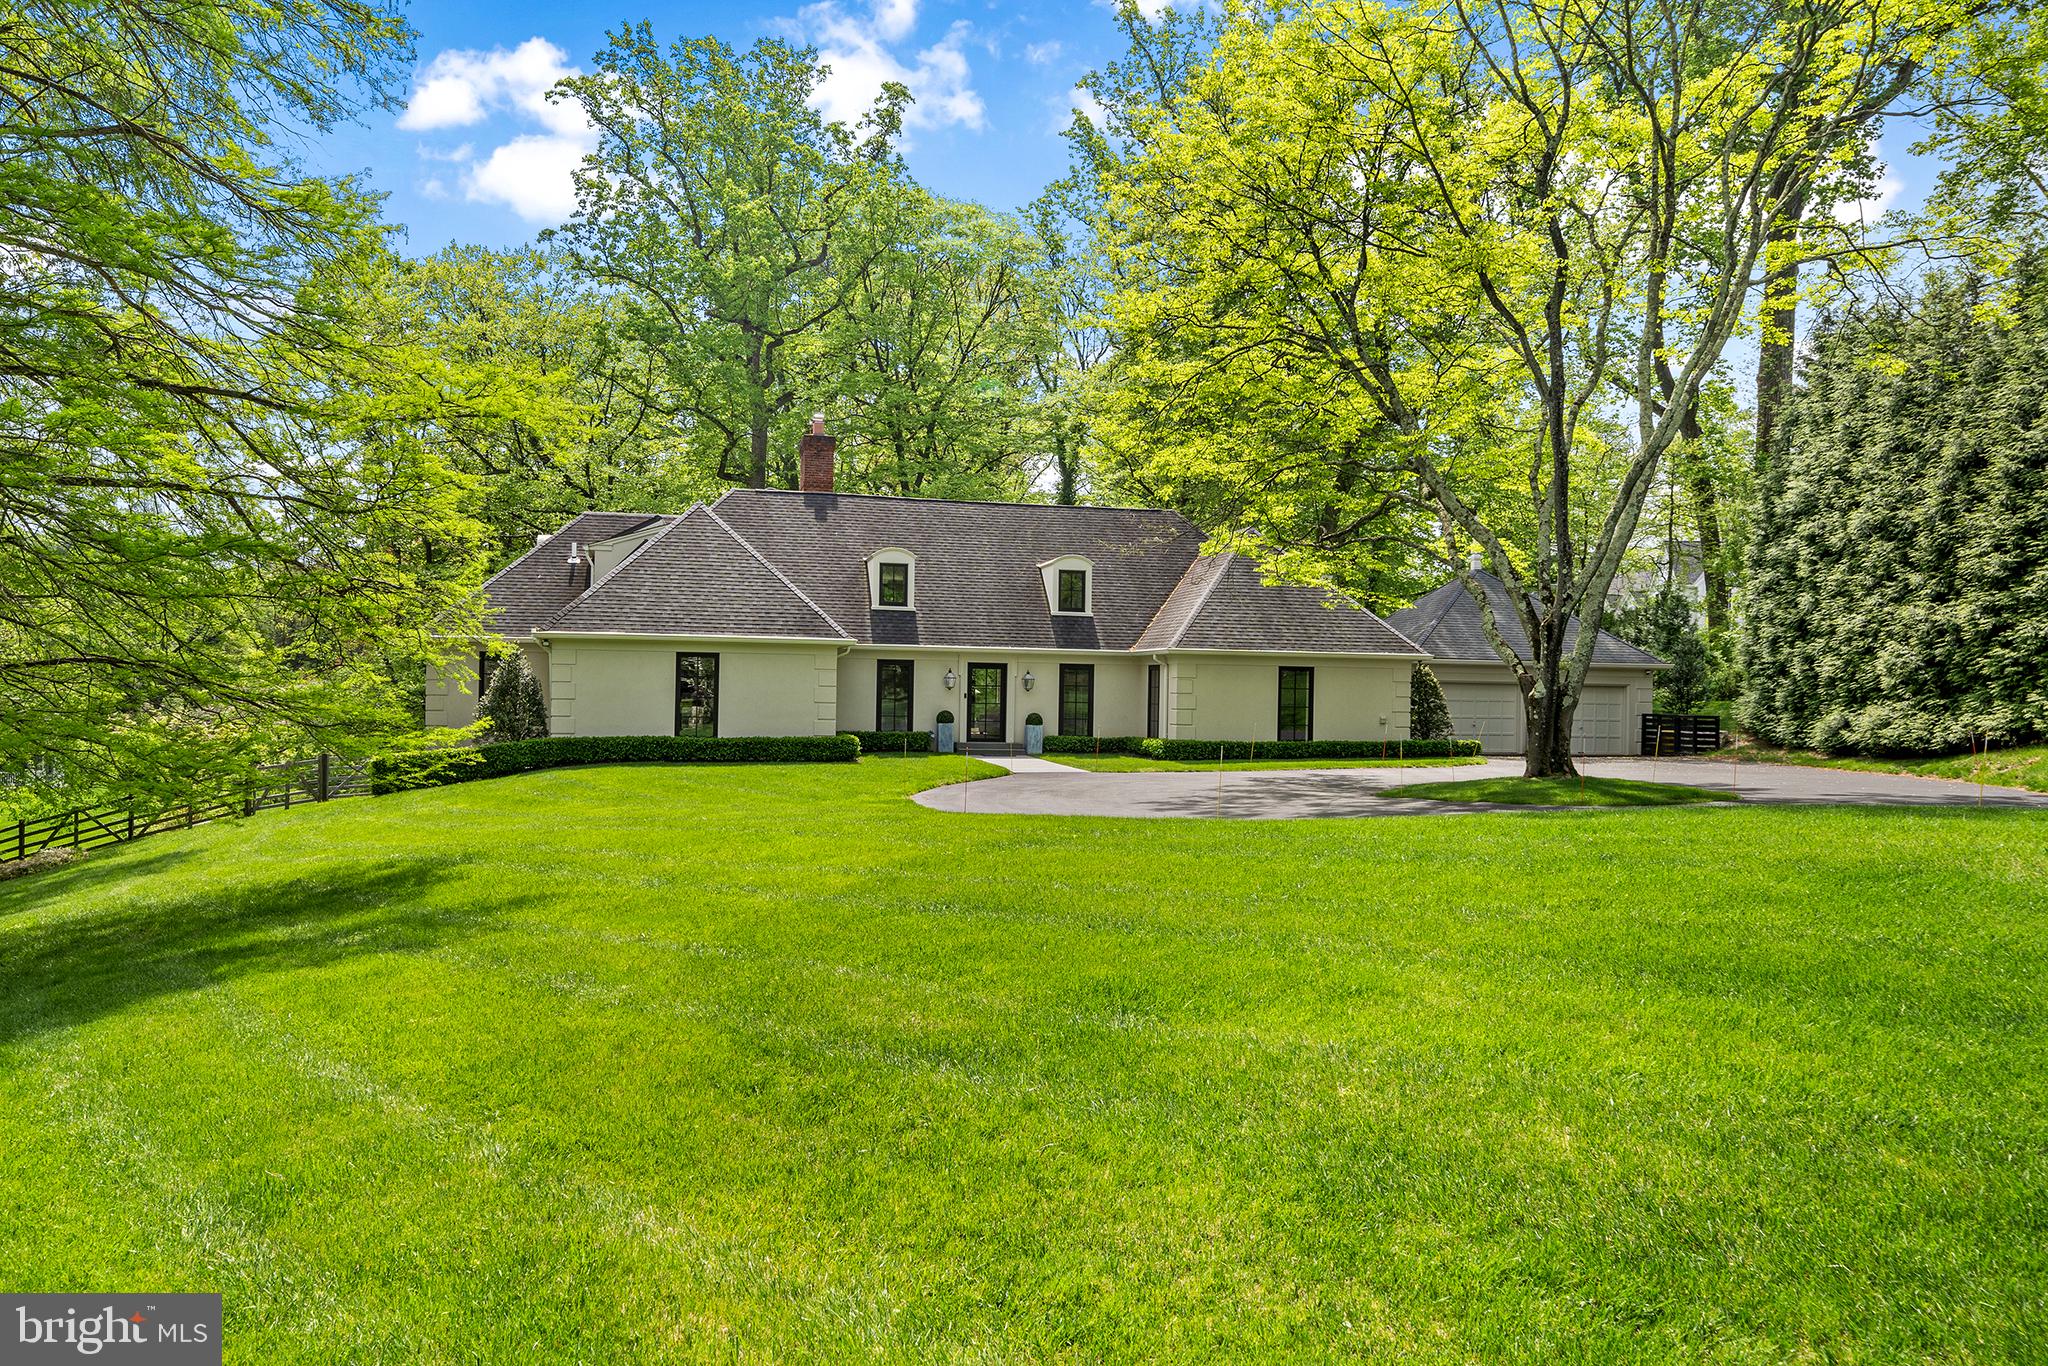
(814, 458)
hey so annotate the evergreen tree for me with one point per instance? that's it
(513, 703)
(1899, 590)
(1429, 715)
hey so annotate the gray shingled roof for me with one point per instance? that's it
(541, 582)
(977, 575)
(696, 578)
(1445, 622)
(1224, 604)
(773, 563)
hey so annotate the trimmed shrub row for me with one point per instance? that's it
(891, 741)
(1198, 751)
(564, 751)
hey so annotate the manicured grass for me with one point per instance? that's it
(1134, 763)
(666, 1064)
(1561, 792)
(2024, 766)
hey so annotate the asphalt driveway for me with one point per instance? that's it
(1038, 788)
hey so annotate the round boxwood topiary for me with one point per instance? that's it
(1034, 719)
(945, 718)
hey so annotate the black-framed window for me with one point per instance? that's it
(895, 583)
(696, 694)
(1073, 590)
(1297, 703)
(486, 669)
(895, 685)
(1152, 701)
(1077, 699)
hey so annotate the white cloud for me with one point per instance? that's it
(1152, 11)
(1043, 54)
(1079, 100)
(1869, 210)
(859, 47)
(528, 173)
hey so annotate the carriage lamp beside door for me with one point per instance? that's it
(952, 680)
(1027, 680)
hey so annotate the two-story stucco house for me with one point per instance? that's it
(804, 612)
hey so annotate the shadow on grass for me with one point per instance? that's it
(69, 971)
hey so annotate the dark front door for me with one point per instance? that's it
(987, 687)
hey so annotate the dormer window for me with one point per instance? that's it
(1069, 586)
(1074, 590)
(895, 590)
(892, 580)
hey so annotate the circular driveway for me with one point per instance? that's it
(1035, 787)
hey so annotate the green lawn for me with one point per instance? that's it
(1561, 792)
(1134, 763)
(651, 1064)
(2024, 766)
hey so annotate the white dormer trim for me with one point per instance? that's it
(891, 555)
(1049, 570)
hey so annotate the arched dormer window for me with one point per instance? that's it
(1069, 586)
(892, 580)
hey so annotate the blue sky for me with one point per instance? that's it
(477, 156)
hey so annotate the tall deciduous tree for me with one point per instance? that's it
(544, 396)
(928, 369)
(219, 536)
(735, 219)
(1496, 234)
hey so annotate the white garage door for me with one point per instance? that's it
(1597, 726)
(1490, 713)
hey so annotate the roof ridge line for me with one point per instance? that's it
(712, 513)
(1208, 590)
(675, 520)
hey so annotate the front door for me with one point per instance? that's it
(988, 686)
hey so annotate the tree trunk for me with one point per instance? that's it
(1548, 751)
(1774, 350)
(757, 456)
(1706, 503)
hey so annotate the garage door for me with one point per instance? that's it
(1597, 726)
(1490, 713)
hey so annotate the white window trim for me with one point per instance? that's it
(890, 555)
(1050, 570)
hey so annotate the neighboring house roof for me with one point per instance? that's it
(977, 572)
(765, 562)
(542, 582)
(1222, 603)
(696, 578)
(1445, 622)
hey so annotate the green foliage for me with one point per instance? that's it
(1198, 751)
(735, 223)
(514, 704)
(225, 539)
(547, 398)
(886, 742)
(1034, 719)
(434, 768)
(1412, 252)
(1663, 625)
(944, 718)
(1429, 715)
(1899, 589)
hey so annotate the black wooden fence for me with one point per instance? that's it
(1667, 733)
(319, 779)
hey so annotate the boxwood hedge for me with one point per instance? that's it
(892, 741)
(562, 751)
(1197, 751)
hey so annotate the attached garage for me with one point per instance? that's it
(1486, 702)
(1490, 713)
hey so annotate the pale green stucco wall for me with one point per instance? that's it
(628, 687)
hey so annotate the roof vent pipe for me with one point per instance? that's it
(1474, 561)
